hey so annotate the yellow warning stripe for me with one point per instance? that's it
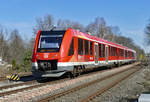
(12, 76)
(15, 77)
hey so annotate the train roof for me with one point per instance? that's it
(79, 34)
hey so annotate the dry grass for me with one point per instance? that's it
(5, 71)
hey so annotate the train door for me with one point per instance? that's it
(106, 55)
(96, 53)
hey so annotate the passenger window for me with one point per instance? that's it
(71, 50)
(80, 46)
(103, 50)
(116, 51)
(91, 48)
(109, 51)
(86, 47)
(126, 54)
(100, 51)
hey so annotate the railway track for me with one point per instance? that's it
(3, 79)
(34, 85)
(16, 85)
(21, 75)
(100, 91)
(37, 85)
(58, 96)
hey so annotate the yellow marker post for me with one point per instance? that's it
(13, 77)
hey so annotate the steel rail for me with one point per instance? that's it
(100, 91)
(18, 84)
(52, 97)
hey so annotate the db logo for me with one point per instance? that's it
(45, 55)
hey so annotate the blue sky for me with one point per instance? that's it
(131, 16)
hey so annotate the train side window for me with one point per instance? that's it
(109, 51)
(112, 51)
(100, 51)
(126, 53)
(71, 50)
(116, 51)
(119, 52)
(103, 50)
(132, 54)
(91, 48)
(86, 47)
(122, 53)
(80, 46)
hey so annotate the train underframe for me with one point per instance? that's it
(51, 69)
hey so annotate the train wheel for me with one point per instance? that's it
(70, 75)
(118, 64)
(80, 70)
(76, 71)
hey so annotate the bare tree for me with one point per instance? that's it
(3, 43)
(115, 30)
(70, 24)
(147, 32)
(16, 47)
(109, 34)
(60, 23)
(98, 27)
(47, 23)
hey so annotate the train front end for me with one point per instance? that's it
(46, 54)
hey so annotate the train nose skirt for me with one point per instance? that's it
(53, 74)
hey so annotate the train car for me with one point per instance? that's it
(57, 52)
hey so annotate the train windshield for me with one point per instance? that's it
(49, 42)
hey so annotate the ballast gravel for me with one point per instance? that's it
(129, 89)
(35, 94)
(84, 92)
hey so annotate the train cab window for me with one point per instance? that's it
(80, 46)
(103, 50)
(91, 48)
(71, 49)
(100, 50)
(86, 47)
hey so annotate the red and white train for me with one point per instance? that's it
(60, 51)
